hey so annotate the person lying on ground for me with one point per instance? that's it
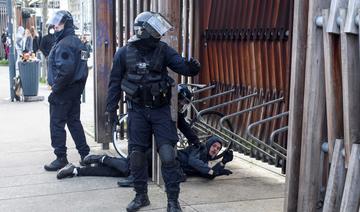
(193, 161)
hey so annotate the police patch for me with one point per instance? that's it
(64, 55)
(84, 55)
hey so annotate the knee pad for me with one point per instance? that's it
(137, 160)
(167, 155)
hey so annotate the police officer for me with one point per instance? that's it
(139, 69)
(67, 74)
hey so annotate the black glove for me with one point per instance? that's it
(228, 156)
(194, 64)
(110, 120)
(196, 143)
(219, 170)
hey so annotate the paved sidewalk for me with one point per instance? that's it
(25, 186)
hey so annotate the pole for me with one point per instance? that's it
(12, 71)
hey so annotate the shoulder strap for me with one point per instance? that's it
(157, 59)
(131, 58)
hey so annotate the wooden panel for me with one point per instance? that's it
(331, 26)
(336, 180)
(333, 87)
(120, 31)
(104, 43)
(353, 9)
(350, 65)
(297, 78)
(351, 197)
(171, 10)
(314, 112)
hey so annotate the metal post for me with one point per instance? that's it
(104, 48)
(171, 10)
(12, 71)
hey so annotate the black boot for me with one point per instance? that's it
(173, 203)
(140, 200)
(91, 159)
(67, 171)
(57, 164)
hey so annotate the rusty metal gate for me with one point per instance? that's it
(246, 46)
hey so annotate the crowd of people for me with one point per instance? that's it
(140, 70)
(31, 41)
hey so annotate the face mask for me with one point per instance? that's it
(51, 31)
(150, 42)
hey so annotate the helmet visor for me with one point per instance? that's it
(157, 26)
(55, 19)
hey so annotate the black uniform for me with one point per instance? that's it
(67, 76)
(139, 69)
(109, 167)
(101, 165)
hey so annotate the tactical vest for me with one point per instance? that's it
(146, 81)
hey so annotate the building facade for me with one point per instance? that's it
(82, 14)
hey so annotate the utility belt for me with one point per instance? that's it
(151, 94)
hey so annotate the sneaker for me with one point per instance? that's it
(91, 159)
(67, 171)
(57, 164)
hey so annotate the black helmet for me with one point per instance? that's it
(61, 16)
(184, 92)
(149, 24)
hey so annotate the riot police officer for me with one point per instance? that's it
(139, 69)
(67, 74)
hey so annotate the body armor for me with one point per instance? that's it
(146, 81)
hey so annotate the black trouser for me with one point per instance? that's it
(142, 123)
(66, 112)
(110, 167)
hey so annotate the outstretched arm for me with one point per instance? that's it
(185, 129)
(179, 64)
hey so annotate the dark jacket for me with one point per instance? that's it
(67, 69)
(171, 59)
(46, 43)
(194, 160)
(88, 48)
(36, 44)
(186, 129)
